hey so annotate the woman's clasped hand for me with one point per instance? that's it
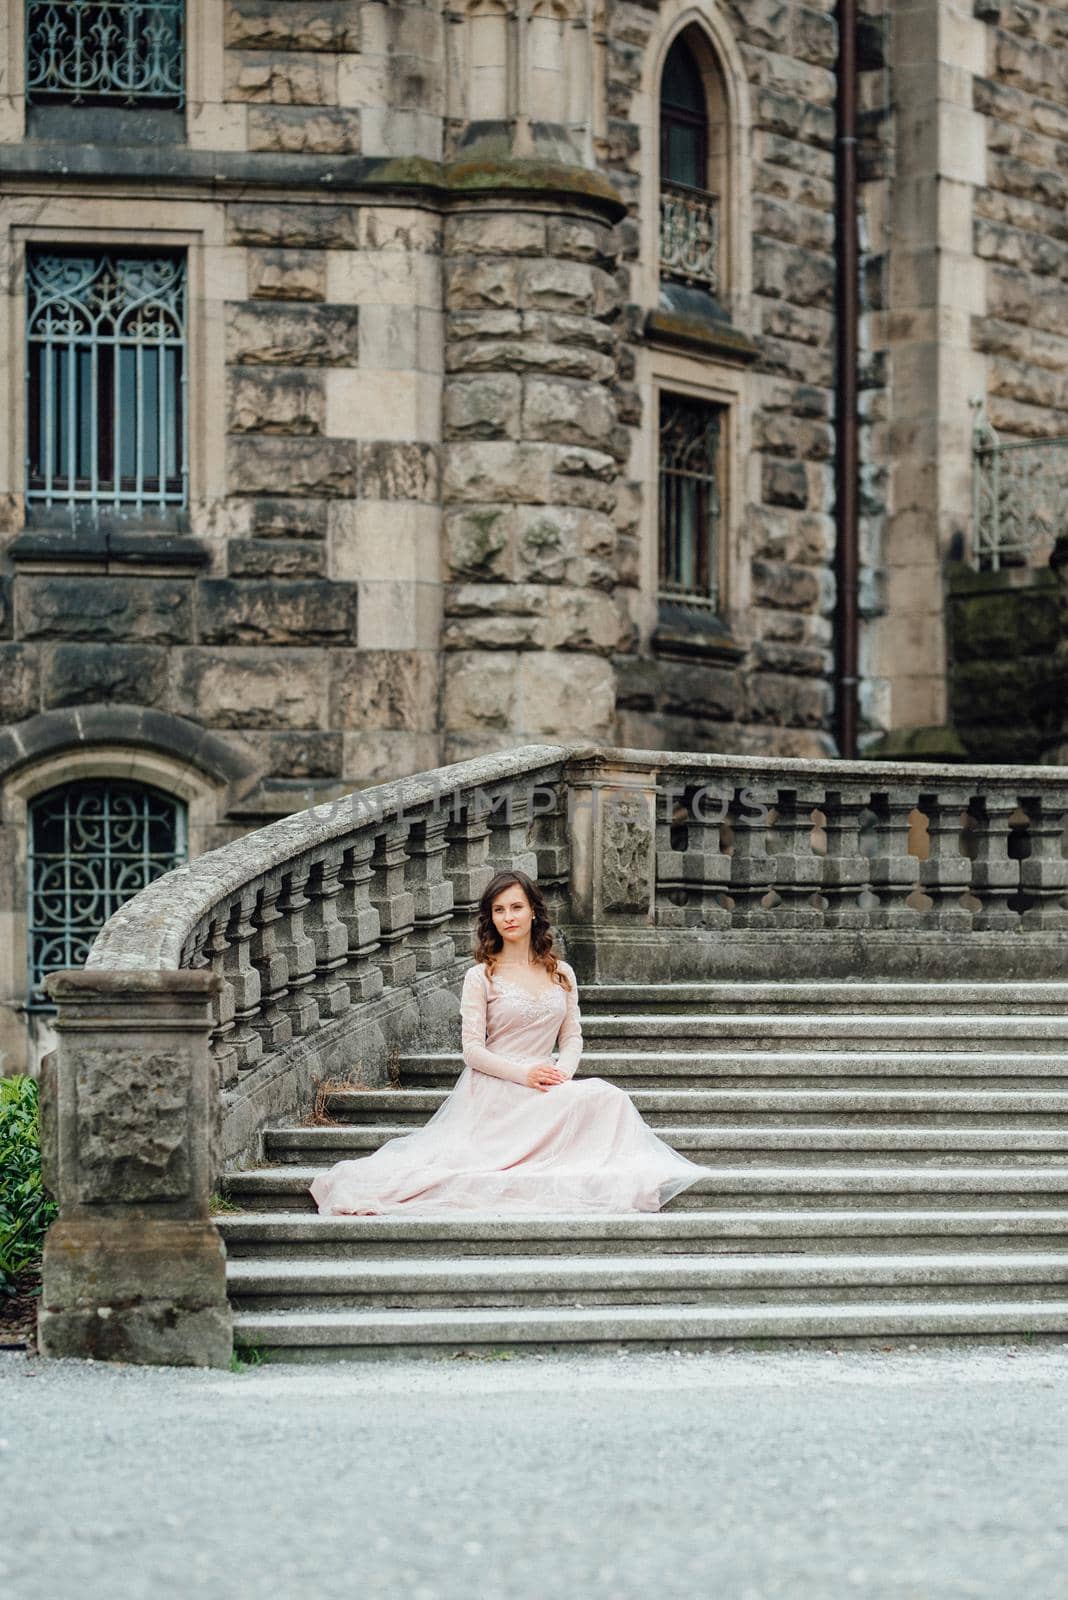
(543, 1075)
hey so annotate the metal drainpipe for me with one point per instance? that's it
(846, 384)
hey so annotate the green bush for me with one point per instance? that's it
(26, 1208)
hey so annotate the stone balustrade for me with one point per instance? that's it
(218, 999)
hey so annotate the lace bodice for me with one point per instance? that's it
(505, 1030)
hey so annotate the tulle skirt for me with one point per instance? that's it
(498, 1146)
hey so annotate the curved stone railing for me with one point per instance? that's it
(216, 999)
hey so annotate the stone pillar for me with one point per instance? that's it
(937, 289)
(134, 1267)
(532, 450)
(612, 828)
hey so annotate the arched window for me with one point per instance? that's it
(693, 165)
(92, 845)
(683, 120)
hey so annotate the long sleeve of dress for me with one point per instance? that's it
(473, 1033)
(569, 1041)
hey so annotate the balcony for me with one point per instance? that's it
(689, 236)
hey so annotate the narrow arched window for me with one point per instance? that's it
(92, 845)
(692, 164)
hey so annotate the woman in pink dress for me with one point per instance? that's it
(518, 1133)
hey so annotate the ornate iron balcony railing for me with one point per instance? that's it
(1019, 498)
(105, 50)
(689, 235)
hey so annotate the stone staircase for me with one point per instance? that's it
(887, 1161)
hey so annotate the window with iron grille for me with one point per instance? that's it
(690, 502)
(92, 845)
(105, 52)
(106, 371)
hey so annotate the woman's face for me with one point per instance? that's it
(512, 916)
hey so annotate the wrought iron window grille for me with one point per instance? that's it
(689, 235)
(1019, 497)
(106, 380)
(92, 845)
(689, 503)
(105, 52)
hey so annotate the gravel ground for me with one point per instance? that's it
(924, 1473)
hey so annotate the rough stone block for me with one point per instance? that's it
(297, 25)
(301, 755)
(476, 698)
(699, 690)
(562, 696)
(132, 1124)
(784, 483)
(478, 543)
(790, 701)
(287, 613)
(786, 272)
(575, 239)
(280, 80)
(574, 286)
(549, 542)
(19, 681)
(783, 585)
(496, 233)
(291, 335)
(399, 471)
(276, 558)
(483, 408)
(473, 284)
(81, 674)
(253, 688)
(293, 226)
(264, 465)
(288, 519)
(287, 274)
(498, 470)
(284, 401)
(567, 411)
(383, 689)
(304, 130)
(105, 608)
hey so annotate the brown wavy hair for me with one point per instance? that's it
(488, 942)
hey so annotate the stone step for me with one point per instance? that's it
(939, 999)
(786, 1069)
(536, 1281)
(328, 1335)
(660, 1107)
(833, 1031)
(730, 1145)
(283, 1234)
(286, 1187)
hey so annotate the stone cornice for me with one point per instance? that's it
(435, 183)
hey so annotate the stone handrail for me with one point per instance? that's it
(216, 1000)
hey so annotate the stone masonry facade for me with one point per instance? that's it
(426, 346)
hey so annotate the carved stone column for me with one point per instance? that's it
(612, 819)
(134, 1267)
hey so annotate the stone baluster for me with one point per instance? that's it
(1044, 873)
(396, 907)
(360, 919)
(431, 893)
(893, 871)
(797, 869)
(995, 873)
(692, 869)
(222, 1005)
(845, 866)
(244, 981)
(552, 847)
(467, 868)
(299, 951)
(271, 1022)
(947, 872)
(510, 825)
(330, 938)
(752, 869)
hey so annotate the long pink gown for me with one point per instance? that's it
(496, 1145)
